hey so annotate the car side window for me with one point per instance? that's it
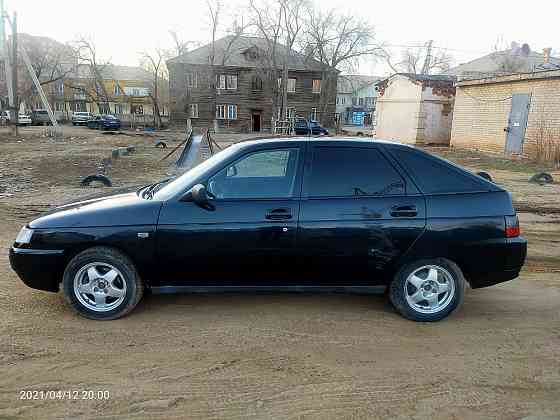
(262, 174)
(435, 176)
(349, 172)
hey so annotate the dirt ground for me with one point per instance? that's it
(324, 356)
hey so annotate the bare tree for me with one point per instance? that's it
(155, 64)
(338, 42)
(87, 55)
(180, 46)
(425, 59)
(51, 61)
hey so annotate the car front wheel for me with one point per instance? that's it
(428, 290)
(102, 283)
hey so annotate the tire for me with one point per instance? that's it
(542, 178)
(96, 178)
(127, 284)
(402, 291)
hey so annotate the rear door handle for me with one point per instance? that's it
(404, 211)
(278, 214)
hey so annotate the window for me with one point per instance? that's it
(361, 101)
(220, 112)
(256, 83)
(104, 109)
(117, 90)
(59, 106)
(231, 82)
(193, 111)
(79, 107)
(232, 112)
(291, 113)
(220, 81)
(291, 85)
(347, 172)
(263, 174)
(135, 92)
(226, 81)
(313, 115)
(59, 88)
(434, 175)
(192, 81)
(119, 109)
(316, 85)
(137, 109)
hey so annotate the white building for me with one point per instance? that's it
(414, 108)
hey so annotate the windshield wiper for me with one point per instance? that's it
(149, 192)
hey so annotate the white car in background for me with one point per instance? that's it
(23, 119)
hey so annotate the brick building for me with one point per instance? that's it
(240, 91)
(507, 114)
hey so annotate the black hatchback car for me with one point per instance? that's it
(283, 214)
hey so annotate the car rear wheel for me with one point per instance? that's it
(428, 290)
(102, 283)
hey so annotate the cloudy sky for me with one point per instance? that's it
(123, 28)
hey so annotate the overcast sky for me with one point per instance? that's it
(122, 28)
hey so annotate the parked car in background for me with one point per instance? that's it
(40, 117)
(104, 122)
(304, 127)
(23, 119)
(81, 118)
(283, 214)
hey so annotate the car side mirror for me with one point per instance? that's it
(199, 196)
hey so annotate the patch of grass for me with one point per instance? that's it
(486, 162)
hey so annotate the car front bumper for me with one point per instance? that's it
(38, 268)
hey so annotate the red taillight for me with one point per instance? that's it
(512, 227)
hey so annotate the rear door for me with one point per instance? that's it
(358, 215)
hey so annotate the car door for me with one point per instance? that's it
(359, 214)
(248, 235)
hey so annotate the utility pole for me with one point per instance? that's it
(428, 60)
(15, 108)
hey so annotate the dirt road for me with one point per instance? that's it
(282, 355)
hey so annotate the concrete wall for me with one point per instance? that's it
(481, 113)
(398, 110)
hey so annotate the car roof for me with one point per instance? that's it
(335, 139)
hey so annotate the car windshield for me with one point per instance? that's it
(110, 117)
(185, 181)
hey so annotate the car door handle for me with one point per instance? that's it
(404, 211)
(278, 214)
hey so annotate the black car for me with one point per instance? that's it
(104, 122)
(283, 214)
(304, 127)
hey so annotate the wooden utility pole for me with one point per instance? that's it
(15, 109)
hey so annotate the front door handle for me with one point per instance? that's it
(404, 211)
(278, 214)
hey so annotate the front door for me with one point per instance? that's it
(248, 236)
(256, 122)
(357, 216)
(517, 123)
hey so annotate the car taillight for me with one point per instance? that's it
(512, 227)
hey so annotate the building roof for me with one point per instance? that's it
(428, 77)
(492, 64)
(349, 83)
(113, 72)
(511, 78)
(236, 51)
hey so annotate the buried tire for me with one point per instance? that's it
(102, 283)
(88, 180)
(427, 290)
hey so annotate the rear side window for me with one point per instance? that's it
(348, 172)
(434, 176)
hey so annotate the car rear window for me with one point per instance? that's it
(349, 171)
(435, 176)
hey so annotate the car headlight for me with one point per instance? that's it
(24, 235)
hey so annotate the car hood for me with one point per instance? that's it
(121, 208)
